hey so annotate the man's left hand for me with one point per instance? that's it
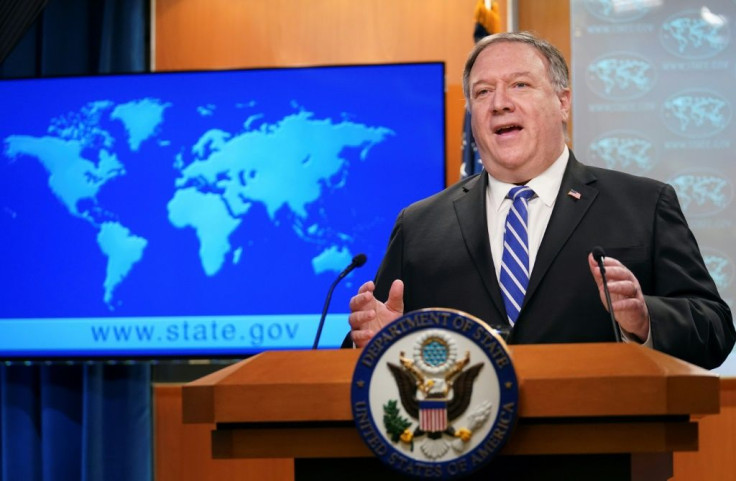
(627, 300)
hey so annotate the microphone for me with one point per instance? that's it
(598, 255)
(358, 261)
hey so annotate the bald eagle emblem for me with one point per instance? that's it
(435, 389)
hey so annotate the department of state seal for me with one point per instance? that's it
(435, 394)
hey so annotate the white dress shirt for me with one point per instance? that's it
(545, 187)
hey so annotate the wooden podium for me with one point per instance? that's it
(586, 411)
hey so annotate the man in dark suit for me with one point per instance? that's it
(450, 250)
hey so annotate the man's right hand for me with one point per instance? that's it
(368, 315)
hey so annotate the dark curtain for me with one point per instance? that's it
(78, 421)
(77, 37)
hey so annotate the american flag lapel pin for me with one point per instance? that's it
(574, 194)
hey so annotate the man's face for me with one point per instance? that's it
(517, 117)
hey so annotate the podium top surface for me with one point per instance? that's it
(556, 380)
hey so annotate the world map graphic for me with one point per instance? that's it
(216, 181)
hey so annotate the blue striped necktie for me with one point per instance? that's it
(514, 275)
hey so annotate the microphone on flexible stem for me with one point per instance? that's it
(358, 261)
(598, 255)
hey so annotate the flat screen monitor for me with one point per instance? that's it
(203, 214)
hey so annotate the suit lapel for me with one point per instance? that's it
(470, 209)
(567, 214)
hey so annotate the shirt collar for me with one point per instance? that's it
(546, 185)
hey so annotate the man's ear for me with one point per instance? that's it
(565, 97)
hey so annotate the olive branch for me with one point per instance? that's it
(392, 420)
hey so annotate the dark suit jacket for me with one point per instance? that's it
(440, 249)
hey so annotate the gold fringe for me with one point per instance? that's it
(490, 19)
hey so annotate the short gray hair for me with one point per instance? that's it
(556, 68)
